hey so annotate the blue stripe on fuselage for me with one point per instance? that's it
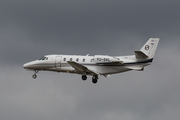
(117, 64)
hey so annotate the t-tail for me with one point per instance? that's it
(148, 50)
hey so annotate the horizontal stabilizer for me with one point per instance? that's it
(135, 68)
(140, 54)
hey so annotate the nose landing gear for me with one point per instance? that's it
(34, 75)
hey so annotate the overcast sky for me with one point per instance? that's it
(30, 29)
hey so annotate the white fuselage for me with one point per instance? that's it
(102, 64)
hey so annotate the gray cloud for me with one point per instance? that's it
(31, 29)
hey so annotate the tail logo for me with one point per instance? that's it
(147, 47)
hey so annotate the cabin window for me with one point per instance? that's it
(70, 59)
(83, 60)
(77, 59)
(64, 59)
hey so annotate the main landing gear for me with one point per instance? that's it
(94, 78)
(34, 75)
(84, 77)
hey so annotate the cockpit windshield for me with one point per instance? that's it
(44, 58)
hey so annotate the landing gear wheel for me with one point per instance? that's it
(94, 79)
(34, 76)
(84, 77)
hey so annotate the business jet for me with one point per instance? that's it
(95, 65)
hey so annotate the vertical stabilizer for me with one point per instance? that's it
(149, 49)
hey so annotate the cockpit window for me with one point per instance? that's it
(41, 58)
(44, 58)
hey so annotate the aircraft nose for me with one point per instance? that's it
(26, 66)
(29, 65)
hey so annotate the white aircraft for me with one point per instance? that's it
(96, 65)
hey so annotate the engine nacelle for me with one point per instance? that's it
(106, 59)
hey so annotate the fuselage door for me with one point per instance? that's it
(58, 62)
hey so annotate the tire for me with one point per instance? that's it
(84, 77)
(94, 81)
(34, 76)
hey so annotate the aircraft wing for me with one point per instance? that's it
(81, 68)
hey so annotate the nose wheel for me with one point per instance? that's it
(35, 76)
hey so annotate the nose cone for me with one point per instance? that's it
(27, 66)
(30, 65)
(39, 65)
